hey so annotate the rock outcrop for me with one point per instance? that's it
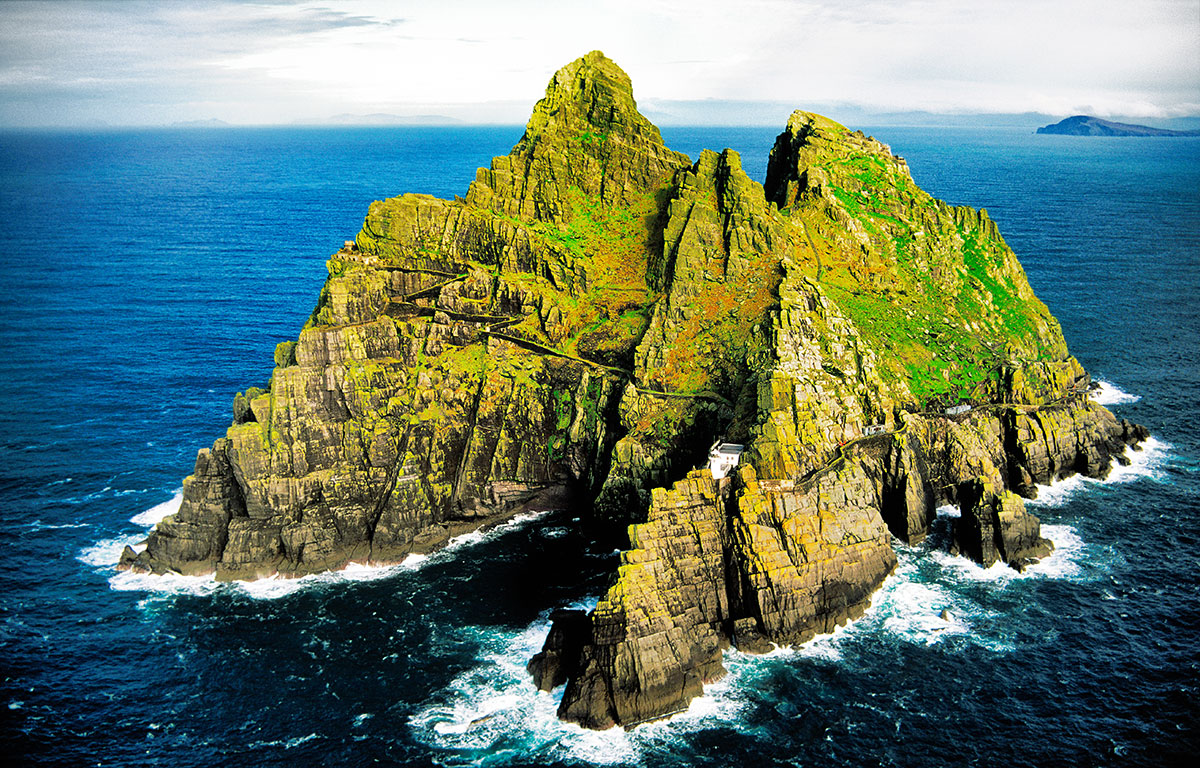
(587, 320)
(465, 358)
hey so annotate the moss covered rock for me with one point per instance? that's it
(597, 311)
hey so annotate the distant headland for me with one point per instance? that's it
(1085, 125)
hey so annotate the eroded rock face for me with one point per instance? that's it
(994, 527)
(587, 320)
(465, 358)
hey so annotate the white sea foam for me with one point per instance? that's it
(826, 647)
(479, 536)
(107, 553)
(152, 516)
(285, 743)
(414, 561)
(271, 588)
(909, 607)
(913, 612)
(38, 525)
(1058, 492)
(1110, 394)
(1146, 461)
(164, 584)
(480, 712)
(1062, 563)
(494, 707)
(1066, 559)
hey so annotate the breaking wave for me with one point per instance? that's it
(155, 514)
(107, 553)
(1146, 461)
(1108, 393)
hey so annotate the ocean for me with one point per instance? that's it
(148, 275)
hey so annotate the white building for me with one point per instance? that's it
(723, 457)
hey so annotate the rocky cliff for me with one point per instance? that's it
(580, 328)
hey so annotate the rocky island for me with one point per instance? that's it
(1085, 125)
(593, 315)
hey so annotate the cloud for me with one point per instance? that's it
(139, 62)
(144, 61)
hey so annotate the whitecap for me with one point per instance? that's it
(910, 607)
(479, 536)
(365, 572)
(1108, 393)
(155, 514)
(959, 567)
(413, 561)
(723, 702)
(285, 743)
(1065, 562)
(1059, 492)
(473, 538)
(38, 525)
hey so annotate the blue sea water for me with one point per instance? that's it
(148, 275)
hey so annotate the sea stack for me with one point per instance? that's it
(595, 314)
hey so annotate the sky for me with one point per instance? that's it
(64, 62)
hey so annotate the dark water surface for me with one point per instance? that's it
(147, 277)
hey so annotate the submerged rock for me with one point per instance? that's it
(592, 315)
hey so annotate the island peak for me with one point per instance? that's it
(583, 325)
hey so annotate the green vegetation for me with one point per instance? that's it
(940, 304)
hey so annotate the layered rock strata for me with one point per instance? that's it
(587, 320)
(466, 358)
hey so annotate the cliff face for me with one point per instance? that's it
(465, 358)
(594, 313)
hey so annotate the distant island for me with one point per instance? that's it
(1085, 125)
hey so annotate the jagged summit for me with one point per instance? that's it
(585, 133)
(591, 92)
